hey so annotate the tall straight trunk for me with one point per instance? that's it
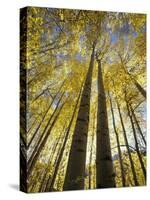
(104, 164)
(32, 125)
(136, 142)
(49, 179)
(44, 181)
(140, 88)
(127, 146)
(36, 148)
(39, 95)
(42, 143)
(44, 116)
(75, 173)
(91, 152)
(118, 145)
(34, 182)
(137, 124)
(64, 144)
(23, 165)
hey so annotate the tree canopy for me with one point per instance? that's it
(86, 99)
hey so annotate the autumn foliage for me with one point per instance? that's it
(82, 99)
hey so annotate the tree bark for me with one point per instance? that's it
(75, 173)
(105, 176)
(118, 145)
(127, 145)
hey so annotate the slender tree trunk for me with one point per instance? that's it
(136, 142)
(64, 144)
(43, 140)
(44, 131)
(34, 182)
(44, 181)
(32, 125)
(118, 145)
(75, 173)
(43, 134)
(49, 180)
(23, 165)
(91, 153)
(127, 145)
(40, 94)
(140, 88)
(43, 118)
(104, 164)
(137, 124)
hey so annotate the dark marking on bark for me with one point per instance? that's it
(80, 150)
(79, 141)
(83, 120)
(84, 105)
(107, 158)
(114, 174)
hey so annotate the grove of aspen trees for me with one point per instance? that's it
(86, 99)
